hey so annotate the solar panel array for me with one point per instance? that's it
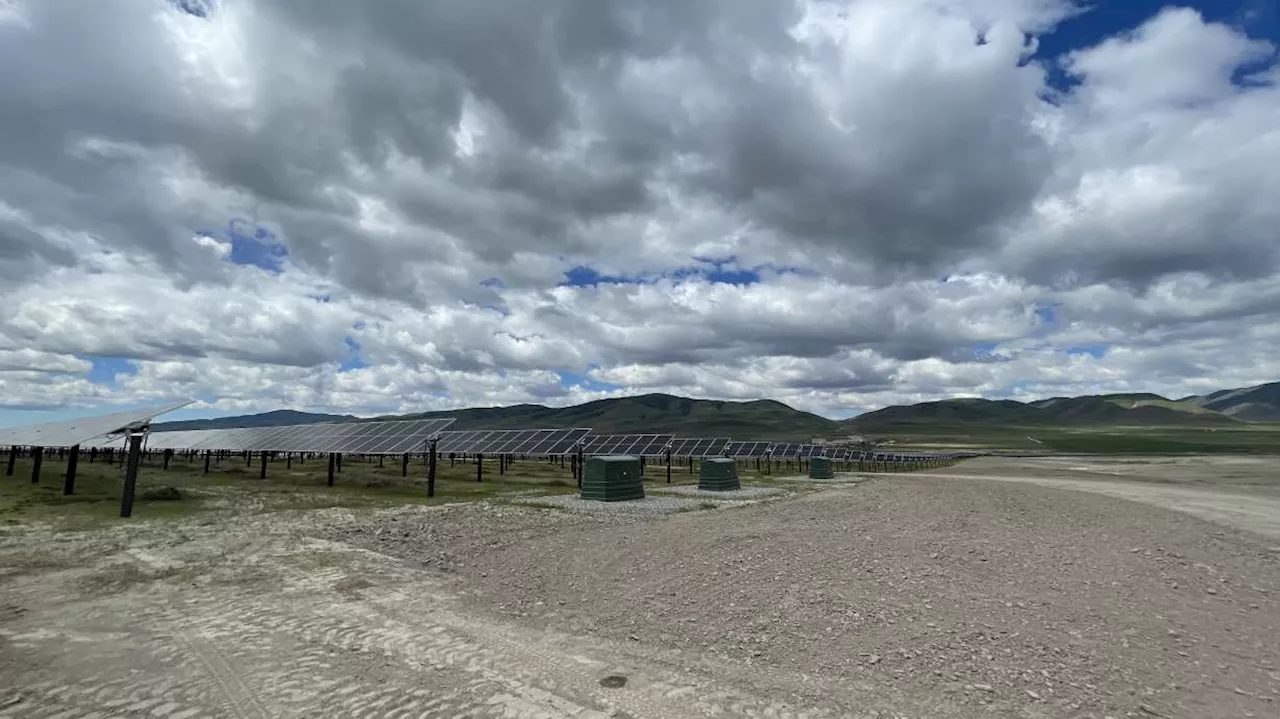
(82, 430)
(784, 450)
(699, 447)
(396, 437)
(524, 442)
(748, 449)
(401, 436)
(636, 445)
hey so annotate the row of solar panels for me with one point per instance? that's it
(400, 437)
(407, 436)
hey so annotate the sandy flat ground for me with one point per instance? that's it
(1075, 588)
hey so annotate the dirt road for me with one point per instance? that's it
(899, 597)
(1183, 484)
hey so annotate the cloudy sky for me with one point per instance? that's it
(404, 205)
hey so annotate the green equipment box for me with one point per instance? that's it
(719, 475)
(821, 468)
(612, 479)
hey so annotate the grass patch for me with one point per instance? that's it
(233, 486)
(1255, 439)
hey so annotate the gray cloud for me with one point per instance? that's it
(405, 152)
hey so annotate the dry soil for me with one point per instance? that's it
(902, 596)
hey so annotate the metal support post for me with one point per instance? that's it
(69, 484)
(431, 469)
(37, 458)
(134, 444)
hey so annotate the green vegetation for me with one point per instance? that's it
(1223, 410)
(234, 487)
(1239, 438)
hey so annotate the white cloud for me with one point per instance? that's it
(914, 202)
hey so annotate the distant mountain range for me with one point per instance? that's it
(768, 419)
(1226, 407)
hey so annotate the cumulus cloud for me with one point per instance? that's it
(372, 207)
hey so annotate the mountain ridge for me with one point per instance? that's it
(771, 419)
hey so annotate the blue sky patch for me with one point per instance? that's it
(1095, 351)
(354, 359)
(1047, 315)
(578, 379)
(255, 246)
(105, 369)
(715, 272)
(1260, 19)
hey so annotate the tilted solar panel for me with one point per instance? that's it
(809, 450)
(524, 442)
(393, 437)
(748, 449)
(639, 445)
(785, 450)
(699, 447)
(83, 430)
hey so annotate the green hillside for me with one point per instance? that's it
(1252, 404)
(651, 413)
(266, 419)
(1120, 409)
(759, 419)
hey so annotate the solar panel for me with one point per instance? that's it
(526, 442)
(748, 449)
(72, 432)
(638, 445)
(810, 450)
(785, 450)
(393, 437)
(698, 447)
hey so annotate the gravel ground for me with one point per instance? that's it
(649, 507)
(962, 598)
(746, 492)
(838, 479)
(906, 596)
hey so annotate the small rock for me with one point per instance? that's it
(1033, 695)
(613, 681)
(162, 494)
(984, 687)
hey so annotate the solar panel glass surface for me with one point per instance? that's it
(82, 430)
(697, 447)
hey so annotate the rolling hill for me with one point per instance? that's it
(768, 419)
(266, 419)
(1252, 404)
(758, 419)
(1111, 409)
(763, 419)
